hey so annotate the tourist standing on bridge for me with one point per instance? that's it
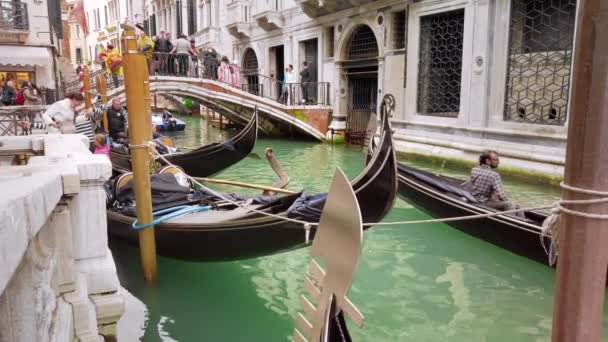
(305, 78)
(146, 46)
(290, 80)
(163, 47)
(114, 64)
(182, 45)
(194, 57)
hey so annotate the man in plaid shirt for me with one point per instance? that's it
(486, 185)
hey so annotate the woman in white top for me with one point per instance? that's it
(59, 117)
(290, 79)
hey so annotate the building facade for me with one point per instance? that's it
(467, 75)
(30, 42)
(78, 43)
(104, 19)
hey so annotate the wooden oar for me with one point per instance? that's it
(246, 185)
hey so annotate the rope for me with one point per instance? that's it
(551, 225)
(174, 212)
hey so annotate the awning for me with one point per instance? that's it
(25, 56)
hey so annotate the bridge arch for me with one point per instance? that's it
(210, 92)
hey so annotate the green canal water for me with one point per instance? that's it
(415, 283)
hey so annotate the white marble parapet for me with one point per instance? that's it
(58, 281)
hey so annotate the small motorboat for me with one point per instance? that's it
(164, 124)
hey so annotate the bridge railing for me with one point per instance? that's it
(11, 116)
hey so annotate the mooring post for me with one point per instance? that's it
(103, 91)
(87, 88)
(136, 81)
(583, 256)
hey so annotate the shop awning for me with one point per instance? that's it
(25, 56)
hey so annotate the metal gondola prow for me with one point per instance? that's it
(338, 244)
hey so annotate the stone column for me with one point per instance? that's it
(380, 91)
(478, 115)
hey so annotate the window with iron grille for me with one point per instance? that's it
(440, 63)
(178, 17)
(362, 44)
(191, 17)
(539, 64)
(153, 25)
(78, 56)
(329, 42)
(399, 30)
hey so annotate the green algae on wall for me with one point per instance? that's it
(462, 164)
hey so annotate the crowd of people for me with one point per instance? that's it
(26, 93)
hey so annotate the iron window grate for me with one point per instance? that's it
(540, 56)
(399, 30)
(440, 64)
(362, 44)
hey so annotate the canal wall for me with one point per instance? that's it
(58, 280)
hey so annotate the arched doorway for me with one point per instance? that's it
(361, 71)
(250, 72)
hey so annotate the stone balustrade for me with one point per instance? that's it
(58, 280)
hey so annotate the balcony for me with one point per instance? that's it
(239, 15)
(208, 35)
(14, 22)
(268, 15)
(319, 8)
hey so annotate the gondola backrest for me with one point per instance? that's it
(178, 172)
(121, 181)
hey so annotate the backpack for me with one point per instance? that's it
(20, 99)
(7, 97)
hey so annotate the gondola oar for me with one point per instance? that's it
(246, 185)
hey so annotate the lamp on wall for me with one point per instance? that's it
(321, 3)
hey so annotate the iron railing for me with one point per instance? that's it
(13, 16)
(10, 116)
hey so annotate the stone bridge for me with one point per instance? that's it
(235, 104)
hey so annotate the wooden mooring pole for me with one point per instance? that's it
(103, 91)
(136, 84)
(583, 252)
(87, 88)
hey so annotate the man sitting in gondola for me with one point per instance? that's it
(486, 185)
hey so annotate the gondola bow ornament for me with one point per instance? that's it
(338, 245)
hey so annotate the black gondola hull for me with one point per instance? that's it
(521, 237)
(207, 160)
(249, 237)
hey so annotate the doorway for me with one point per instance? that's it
(311, 50)
(250, 71)
(277, 68)
(361, 71)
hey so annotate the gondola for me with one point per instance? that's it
(206, 160)
(443, 197)
(231, 233)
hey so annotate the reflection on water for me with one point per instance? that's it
(415, 283)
